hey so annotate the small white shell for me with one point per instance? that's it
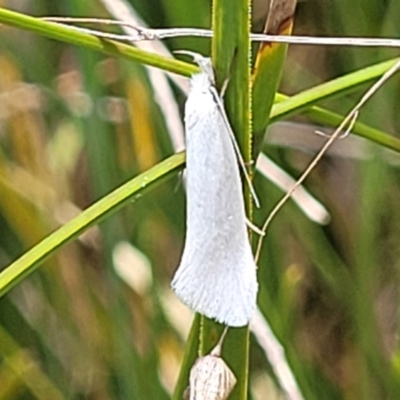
(210, 379)
(217, 273)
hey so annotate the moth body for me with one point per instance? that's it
(217, 273)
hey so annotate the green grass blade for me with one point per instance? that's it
(268, 68)
(89, 42)
(329, 118)
(191, 353)
(305, 101)
(334, 88)
(27, 369)
(109, 204)
(231, 57)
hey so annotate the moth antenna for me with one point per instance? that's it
(235, 145)
(254, 228)
(203, 62)
(206, 66)
(224, 87)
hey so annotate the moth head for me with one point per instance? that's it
(204, 63)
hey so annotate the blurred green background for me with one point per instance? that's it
(99, 321)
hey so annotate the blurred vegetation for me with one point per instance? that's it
(98, 320)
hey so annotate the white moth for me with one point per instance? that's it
(217, 273)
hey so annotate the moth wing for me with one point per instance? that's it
(217, 273)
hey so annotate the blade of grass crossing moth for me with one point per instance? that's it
(230, 54)
(268, 66)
